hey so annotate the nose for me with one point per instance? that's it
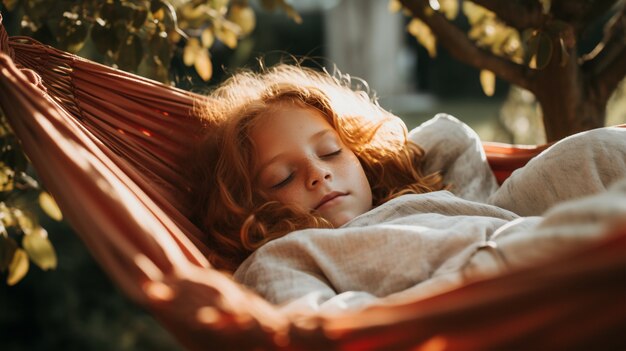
(318, 174)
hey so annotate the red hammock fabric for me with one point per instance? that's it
(108, 145)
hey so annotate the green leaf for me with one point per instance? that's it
(7, 249)
(49, 206)
(40, 249)
(18, 267)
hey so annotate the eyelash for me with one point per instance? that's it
(334, 153)
(290, 177)
(284, 182)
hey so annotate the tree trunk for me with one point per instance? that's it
(568, 105)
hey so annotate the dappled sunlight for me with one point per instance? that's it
(158, 291)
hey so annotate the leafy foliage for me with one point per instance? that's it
(142, 36)
(21, 237)
(486, 30)
(538, 45)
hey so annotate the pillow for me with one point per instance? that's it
(456, 151)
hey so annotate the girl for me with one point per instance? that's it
(346, 155)
(295, 152)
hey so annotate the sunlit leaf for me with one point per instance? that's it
(394, 6)
(6, 215)
(40, 249)
(512, 47)
(159, 14)
(130, 53)
(24, 221)
(207, 38)
(7, 249)
(191, 11)
(424, 36)
(18, 267)
(226, 36)
(203, 65)
(488, 82)
(49, 206)
(191, 51)
(219, 5)
(450, 8)
(164, 13)
(6, 178)
(475, 13)
(564, 52)
(244, 17)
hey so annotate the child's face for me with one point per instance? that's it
(302, 161)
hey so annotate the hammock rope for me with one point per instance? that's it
(108, 145)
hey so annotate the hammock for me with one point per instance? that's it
(108, 145)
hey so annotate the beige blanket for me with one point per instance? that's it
(418, 245)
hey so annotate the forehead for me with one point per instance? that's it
(288, 123)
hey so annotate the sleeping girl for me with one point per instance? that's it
(321, 201)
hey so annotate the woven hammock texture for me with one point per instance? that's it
(108, 145)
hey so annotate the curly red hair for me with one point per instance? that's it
(235, 215)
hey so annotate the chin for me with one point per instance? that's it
(340, 220)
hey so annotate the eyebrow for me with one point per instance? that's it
(313, 137)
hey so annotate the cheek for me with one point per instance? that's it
(355, 169)
(290, 195)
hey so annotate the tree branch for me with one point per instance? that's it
(606, 69)
(463, 49)
(513, 13)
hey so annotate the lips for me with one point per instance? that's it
(328, 197)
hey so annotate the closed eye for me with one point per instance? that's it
(334, 153)
(283, 182)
